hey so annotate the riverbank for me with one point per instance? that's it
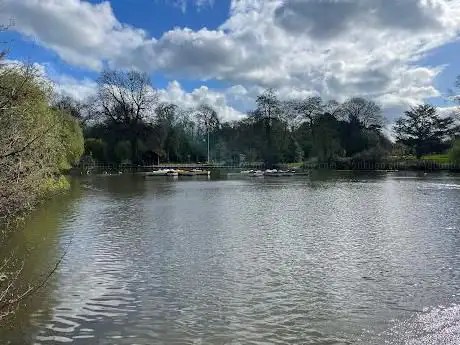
(385, 165)
(435, 163)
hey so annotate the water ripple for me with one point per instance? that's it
(365, 261)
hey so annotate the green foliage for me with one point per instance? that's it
(373, 155)
(437, 158)
(275, 132)
(70, 138)
(454, 153)
(37, 141)
(96, 148)
(326, 138)
(123, 151)
(424, 131)
(53, 185)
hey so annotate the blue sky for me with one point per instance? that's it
(224, 52)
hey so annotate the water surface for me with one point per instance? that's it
(341, 259)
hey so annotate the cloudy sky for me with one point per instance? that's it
(225, 52)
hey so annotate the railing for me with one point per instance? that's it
(111, 168)
(420, 165)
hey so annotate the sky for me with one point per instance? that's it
(398, 53)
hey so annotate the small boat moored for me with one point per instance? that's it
(278, 173)
(252, 173)
(163, 172)
(194, 172)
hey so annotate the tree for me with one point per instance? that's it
(423, 130)
(364, 112)
(310, 109)
(37, 142)
(208, 120)
(269, 113)
(96, 148)
(454, 153)
(326, 138)
(79, 110)
(455, 94)
(126, 99)
(275, 132)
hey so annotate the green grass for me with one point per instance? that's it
(52, 185)
(438, 158)
(441, 158)
(295, 165)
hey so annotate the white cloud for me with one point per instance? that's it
(81, 33)
(231, 103)
(221, 101)
(449, 111)
(174, 93)
(80, 90)
(183, 4)
(335, 48)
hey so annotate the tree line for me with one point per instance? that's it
(125, 122)
(44, 134)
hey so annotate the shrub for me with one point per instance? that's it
(37, 142)
(454, 154)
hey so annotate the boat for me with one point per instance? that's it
(185, 173)
(194, 172)
(163, 172)
(199, 172)
(278, 173)
(256, 173)
(252, 173)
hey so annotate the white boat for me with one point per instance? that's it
(278, 173)
(163, 172)
(256, 173)
(194, 172)
(252, 173)
(199, 172)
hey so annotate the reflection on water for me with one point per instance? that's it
(338, 259)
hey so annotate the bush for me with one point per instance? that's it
(454, 154)
(37, 143)
(372, 155)
(96, 148)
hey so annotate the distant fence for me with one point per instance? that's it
(111, 168)
(387, 165)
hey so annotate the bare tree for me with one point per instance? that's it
(367, 113)
(12, 295)
(127, 99)
(80, 110)
(126, 96)
(268, 106)
(208, 120)
(310, 108)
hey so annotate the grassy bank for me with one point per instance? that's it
(409, 163)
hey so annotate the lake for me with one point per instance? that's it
(334, 258)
